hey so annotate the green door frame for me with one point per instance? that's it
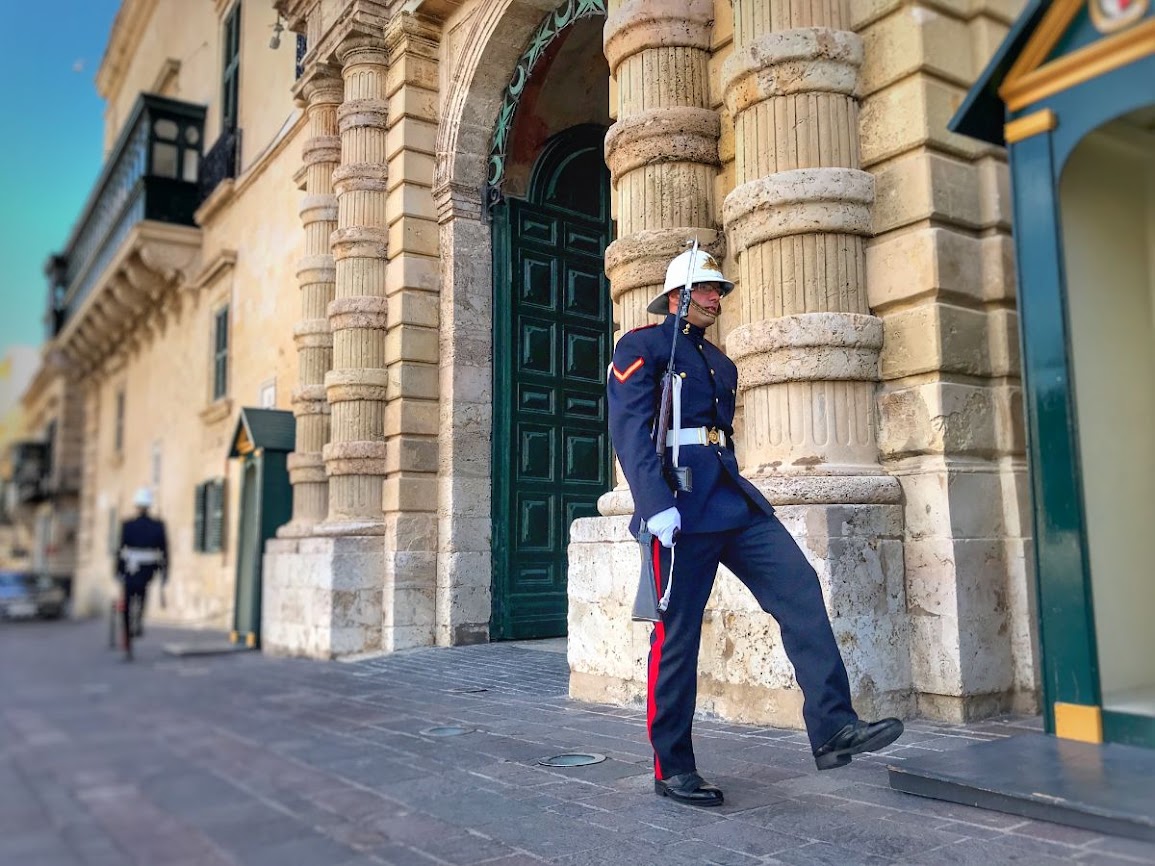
(1067, 636)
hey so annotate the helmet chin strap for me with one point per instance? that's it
(702, 309)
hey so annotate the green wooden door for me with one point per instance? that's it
(552, 344)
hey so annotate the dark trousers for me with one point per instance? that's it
(135, 593)
(769, 562)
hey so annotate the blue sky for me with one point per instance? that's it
(50, 154)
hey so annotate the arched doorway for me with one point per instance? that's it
(524, 78)
(552, 343)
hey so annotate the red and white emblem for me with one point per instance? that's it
(1111, 15)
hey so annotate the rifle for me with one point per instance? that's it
(647, 607)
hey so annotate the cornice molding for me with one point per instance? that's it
(295, 12)
(169, 70)
(436, 10)
(225, 261)
(127, 31)
(360, 19)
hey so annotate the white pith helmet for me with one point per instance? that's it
(705, 270)
(143, 498)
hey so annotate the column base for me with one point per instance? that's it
(296, 529)
(744, 675)
(343, 527)
(322, 596)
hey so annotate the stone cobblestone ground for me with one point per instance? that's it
(243, 759)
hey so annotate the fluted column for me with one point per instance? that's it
(662, 150)
(807, 347)
(316, 275)
(357, 383)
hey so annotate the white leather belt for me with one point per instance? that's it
(696, 436)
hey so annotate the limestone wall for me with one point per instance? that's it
(175, 434)
(940, 273)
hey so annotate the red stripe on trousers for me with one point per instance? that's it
(655, 657)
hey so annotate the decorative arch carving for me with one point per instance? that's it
(551, 28)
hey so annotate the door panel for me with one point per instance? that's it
(551, 446)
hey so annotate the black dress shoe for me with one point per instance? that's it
(856, 737)
(689, 788)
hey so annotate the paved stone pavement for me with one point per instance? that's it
(243, 759)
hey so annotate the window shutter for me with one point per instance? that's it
(215, 516)
(221, 353)
(199, 524)
(230, 89)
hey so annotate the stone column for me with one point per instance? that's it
(662, 150)
(322, 592)
(807, 347)
(356, 386)
(89, 586)
(411, 342)
(317, 277)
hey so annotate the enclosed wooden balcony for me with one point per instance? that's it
(136, 239)
(30, 462)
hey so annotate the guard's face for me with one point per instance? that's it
(705, 304)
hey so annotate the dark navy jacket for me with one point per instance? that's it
(721, 498)
(141, 533)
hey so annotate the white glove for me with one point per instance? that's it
(664, 525)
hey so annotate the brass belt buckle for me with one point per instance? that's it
(713, 436)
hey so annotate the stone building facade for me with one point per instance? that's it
(436, 226)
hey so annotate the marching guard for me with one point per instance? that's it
(694, 510)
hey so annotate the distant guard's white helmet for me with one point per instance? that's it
(705, 270)
(143, 498)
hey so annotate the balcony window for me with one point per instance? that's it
(151, 174)
(29, 478)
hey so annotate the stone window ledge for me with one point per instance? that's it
(216, 411)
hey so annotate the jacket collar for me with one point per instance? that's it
(687, 328)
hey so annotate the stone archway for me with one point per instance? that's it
(493, 47)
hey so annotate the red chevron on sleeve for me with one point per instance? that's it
(622, 375)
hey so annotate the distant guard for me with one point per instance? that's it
(142, 554)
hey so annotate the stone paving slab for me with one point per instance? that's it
(245, 760)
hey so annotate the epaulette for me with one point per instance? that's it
(644, 327)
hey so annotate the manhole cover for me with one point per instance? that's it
(571, 760)
(446, 731)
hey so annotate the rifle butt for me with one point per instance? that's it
(646, 600)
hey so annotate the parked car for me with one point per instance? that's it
(25, 594)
